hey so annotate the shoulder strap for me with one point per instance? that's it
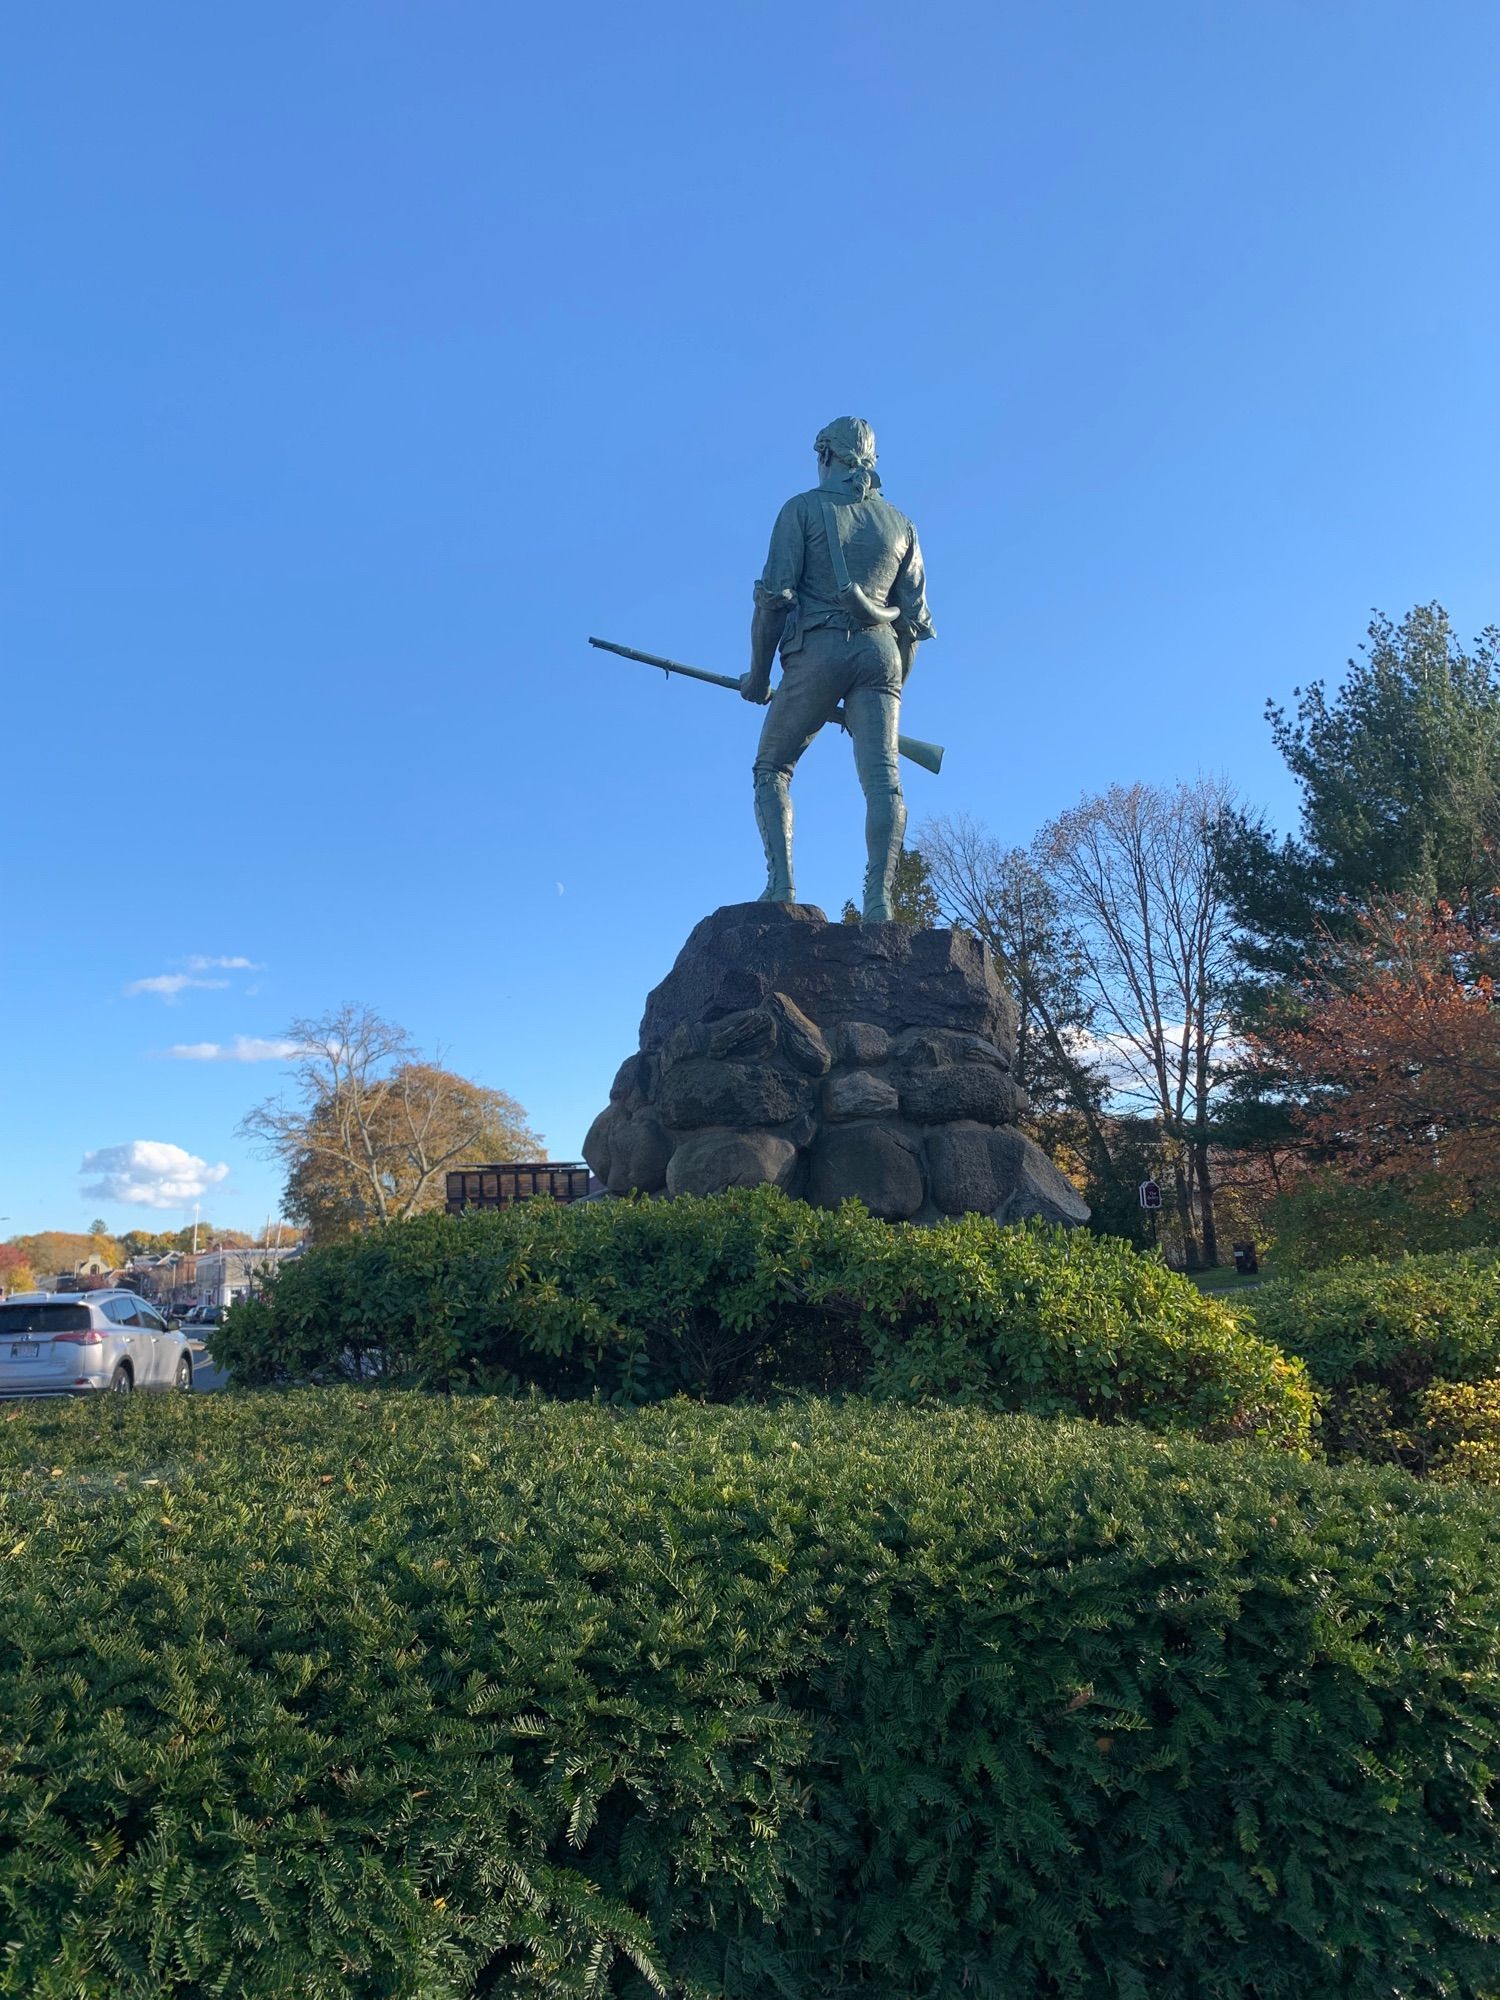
(835, 546)
(859, 606)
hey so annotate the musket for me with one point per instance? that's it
(928, 755)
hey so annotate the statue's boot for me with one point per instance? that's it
(773, 815)
(885, 828)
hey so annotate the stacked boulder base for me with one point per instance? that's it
(833, 1060)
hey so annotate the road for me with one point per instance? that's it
(205, 1375)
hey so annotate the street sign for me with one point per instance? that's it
(1150, 1194)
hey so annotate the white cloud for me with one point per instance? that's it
(244, 1048)
(1129, 1075)
(169, 984)
(148, 1173)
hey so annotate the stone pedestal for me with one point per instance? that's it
(835, 1060)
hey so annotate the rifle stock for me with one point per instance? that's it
(915, 751)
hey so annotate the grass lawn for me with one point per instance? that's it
(1225, 1278)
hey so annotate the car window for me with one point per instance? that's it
(152, 1318)
(43, 1317)
(121, 1311)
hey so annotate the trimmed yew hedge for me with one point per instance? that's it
(749, 1295)
(341, 1694)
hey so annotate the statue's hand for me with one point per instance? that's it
(753, 688)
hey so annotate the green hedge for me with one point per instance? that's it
(750, 1294)
(333, 1694)
(1377, 1336)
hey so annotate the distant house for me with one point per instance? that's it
(89, 1274)
(226, 1275)
(170, 1279)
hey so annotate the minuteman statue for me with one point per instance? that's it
(844, 596)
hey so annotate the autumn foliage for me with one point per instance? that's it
(16, 1274)
(1396, 1051)
(51, 1250)
(372, 1125)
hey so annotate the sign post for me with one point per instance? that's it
(1150, 1193)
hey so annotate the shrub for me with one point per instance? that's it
(1376, 1337)
(1460, 1426)
(334, 1694)
(1326, 1218)
(751, 1294)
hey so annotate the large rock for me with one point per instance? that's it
(704, 1092)
(635, 1081)
(999, 1172)
(888, 975)
(940, 1048)
(862, 1042)
(746, 1037)
(859, 1094)
(962, 1090)
(965, 1171)
(628, 1150)
(836, 1060)
(709, 1162)
(1037, 1190)
(878, 1164)
(801, 1040)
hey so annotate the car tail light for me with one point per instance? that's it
(93, 1338)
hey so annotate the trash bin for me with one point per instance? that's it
(1244, 1260)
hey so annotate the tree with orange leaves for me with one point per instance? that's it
(16, 1274)
(1396, 1053)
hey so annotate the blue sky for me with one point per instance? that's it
(360, 360)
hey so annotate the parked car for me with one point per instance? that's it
(204, 1316)
(52, 1345)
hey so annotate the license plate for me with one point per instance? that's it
(25, 1350)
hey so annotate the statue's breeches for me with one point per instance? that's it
(863, 670)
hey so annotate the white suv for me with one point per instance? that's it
(73, 1343)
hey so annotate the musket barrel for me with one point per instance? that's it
(667, 666)
(928, 755)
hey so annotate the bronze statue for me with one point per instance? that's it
(843, 594)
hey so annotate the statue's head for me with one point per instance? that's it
(846, 454)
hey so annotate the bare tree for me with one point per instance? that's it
(1136, 875)
(1001, 895)
(371, 1128)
